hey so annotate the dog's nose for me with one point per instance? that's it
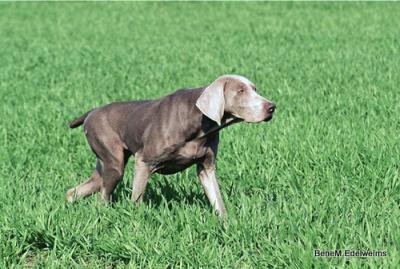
(271, 107)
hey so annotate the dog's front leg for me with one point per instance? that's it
(141, 178)
(208, 179)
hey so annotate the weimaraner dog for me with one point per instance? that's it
(167, 135)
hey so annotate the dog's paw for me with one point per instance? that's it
(71, 195)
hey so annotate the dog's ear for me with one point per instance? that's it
(212, 101)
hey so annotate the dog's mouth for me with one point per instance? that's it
(268, 118)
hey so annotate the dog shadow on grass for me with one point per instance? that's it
(162, 192)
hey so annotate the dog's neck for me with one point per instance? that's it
(227, 119)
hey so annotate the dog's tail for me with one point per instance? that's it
(79, 121)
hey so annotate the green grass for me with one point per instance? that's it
(324, 174)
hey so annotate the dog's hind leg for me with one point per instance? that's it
(88, 187)
(112, 173)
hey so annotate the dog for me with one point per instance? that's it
(167, 135)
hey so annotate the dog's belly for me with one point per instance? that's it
(168, 168)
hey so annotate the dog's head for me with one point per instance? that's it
(235, 95)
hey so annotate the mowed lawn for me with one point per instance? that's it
(323, 174)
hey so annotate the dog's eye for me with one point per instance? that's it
(241, 91)
(255, 89)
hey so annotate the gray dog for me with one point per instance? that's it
(167, 135)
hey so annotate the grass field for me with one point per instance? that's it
(324, 174)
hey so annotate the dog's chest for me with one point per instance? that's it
(183, 157)
(191, 151)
